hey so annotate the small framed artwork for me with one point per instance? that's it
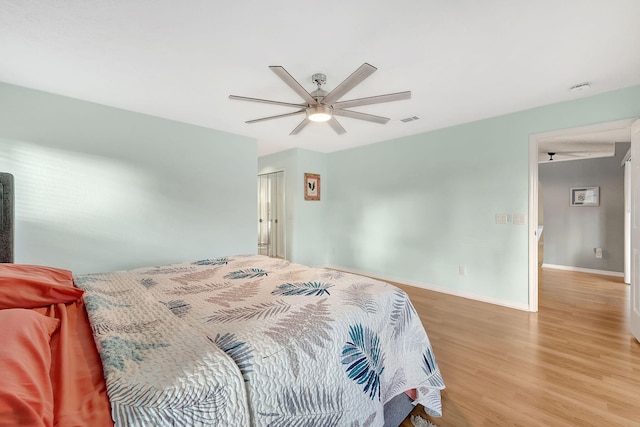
(311, 186)
(585, 196)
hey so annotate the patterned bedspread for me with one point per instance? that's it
(251, 340)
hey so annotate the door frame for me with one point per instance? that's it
(634, 233)
(533, 192)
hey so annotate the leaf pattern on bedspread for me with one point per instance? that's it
(430, 367)
(148, 282)
(115, 350)
(151, 406)
(178, 307)
(396, 386)
(241, 263)
(291, 275)
(308, 406)
(95, 302)
(402, 312)
(366, 423)
(214, 261)
(286, 339)
(305, 288)
(249, 273)
(358, 296)
(196, 276)
(235, 294)
(363, 359)
(280, 264)
(168, 270)
(104, 327)
(332, 274)
(197, 288)
(238, 350)
(83, 280)
(263, 310)
(303, 329)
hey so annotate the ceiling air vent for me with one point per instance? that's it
(409, 119)
(580, 86)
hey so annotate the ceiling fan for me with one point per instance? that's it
(322, 106)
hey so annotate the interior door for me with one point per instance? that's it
(634, 300)
(264, 232)
(271, 225)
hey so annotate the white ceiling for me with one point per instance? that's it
(463, 60)
(589, 145)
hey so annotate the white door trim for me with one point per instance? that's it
(533, 192)
(533, 222)
(634, 296)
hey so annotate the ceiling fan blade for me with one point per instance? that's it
(293, 84)
(364, 71)
(361, 116)
(390, 97)
(336, 126)
(266, 101)
(301, 126)
(295, 113)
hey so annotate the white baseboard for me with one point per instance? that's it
(584, 270)
(462, 294)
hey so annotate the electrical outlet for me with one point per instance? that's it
(598, 252)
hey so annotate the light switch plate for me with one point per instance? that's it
(519, 219)
(502, 219)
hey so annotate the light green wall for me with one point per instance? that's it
(311, 213)
(571, 233)
(99, 188)
(306, 236)
(417, 208)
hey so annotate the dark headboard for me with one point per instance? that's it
(6, 217)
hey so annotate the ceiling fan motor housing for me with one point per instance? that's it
(319, 79)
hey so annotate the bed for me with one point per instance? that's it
(237, 340)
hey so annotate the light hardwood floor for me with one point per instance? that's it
(574, 363)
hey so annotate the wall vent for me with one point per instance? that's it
(410, 119)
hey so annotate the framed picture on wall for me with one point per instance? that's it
(585, 196)
(311, 186)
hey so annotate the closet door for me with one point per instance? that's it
(271, 224)
(263, 215)
(279, 217)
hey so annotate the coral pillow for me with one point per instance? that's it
(26, 391)
(29, 286)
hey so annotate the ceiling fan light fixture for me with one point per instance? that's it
(319, 113)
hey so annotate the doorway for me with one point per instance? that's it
(271, 215)
(585, 133)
